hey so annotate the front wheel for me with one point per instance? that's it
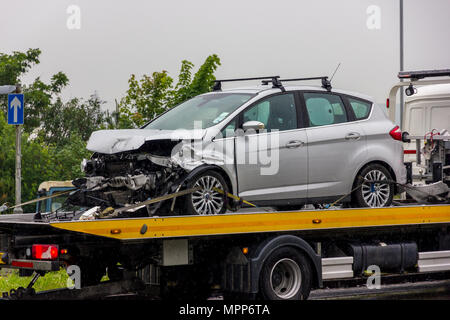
(211, 198)
(371, 190)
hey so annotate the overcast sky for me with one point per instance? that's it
(252, 38)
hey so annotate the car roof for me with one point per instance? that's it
(268, 89)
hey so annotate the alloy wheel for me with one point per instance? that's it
(207, 200)
(375, 194)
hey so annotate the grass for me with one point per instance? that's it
(51, 280)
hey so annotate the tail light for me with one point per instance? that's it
(396, 133)
(45, 251)
(387, 103)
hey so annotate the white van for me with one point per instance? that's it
(426, 110)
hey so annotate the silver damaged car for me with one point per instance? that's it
(272, 145)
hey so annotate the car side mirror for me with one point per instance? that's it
(253, 125)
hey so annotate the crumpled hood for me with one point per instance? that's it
(114, 141)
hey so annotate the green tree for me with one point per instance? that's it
(145, 99)
(152, 95)
(39, 98)
(38, 95)
(75, 118)
(55, 135)
(16, 64)
(37, 163)
(67, 158)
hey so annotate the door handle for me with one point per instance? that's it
(353, 136)
(294, 144)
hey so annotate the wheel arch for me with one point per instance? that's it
(206, 167)
(380, 162)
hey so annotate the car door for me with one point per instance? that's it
(336, 145)
(272, 163)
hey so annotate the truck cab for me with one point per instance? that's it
(427, 112)
(48, 188)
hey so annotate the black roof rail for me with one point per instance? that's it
(416, 75)
(326, 84)
(274, 79)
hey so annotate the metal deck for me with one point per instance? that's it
(242, 223)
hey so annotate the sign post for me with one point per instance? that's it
(15, 117)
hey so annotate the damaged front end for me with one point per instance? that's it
(132, 166)
(125, 178)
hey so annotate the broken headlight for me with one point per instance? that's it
(87, 166)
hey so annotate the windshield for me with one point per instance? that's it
(207, 110)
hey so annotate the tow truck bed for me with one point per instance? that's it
(259, 222)
(233, 223)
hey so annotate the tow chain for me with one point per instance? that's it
(111, 212)
(154, 200)
(405, 186)
(168, 197)
(5, 206)
(232, 196)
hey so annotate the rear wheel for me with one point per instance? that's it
(286, 275)
(207, 200)
(372, 191)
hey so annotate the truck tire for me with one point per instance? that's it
(286, 275)
(373, 194)
(207, 201)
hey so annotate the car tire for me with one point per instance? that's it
(285, 275)
(373, 194)
(207, 201)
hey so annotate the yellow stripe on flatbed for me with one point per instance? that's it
(236, 223)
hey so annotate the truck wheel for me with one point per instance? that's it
(286, 275)
(207, 200)
(373, 194)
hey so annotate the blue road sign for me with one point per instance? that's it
(15, 108)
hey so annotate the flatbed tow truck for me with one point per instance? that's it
(259, 254)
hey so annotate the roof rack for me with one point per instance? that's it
(326, 84)
(274, 79)
(416, 75)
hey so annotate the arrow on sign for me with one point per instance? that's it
(15, 104)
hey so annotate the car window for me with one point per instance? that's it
(229, 130)
(324, 109)
(361, 109)
(276, 112)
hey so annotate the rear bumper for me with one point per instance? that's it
(38, 265)
(401, 177)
